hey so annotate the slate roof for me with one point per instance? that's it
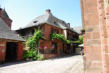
(78, 29)
(49, 19)
(6, 33)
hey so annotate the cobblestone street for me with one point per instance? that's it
(72, 64)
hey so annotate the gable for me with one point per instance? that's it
(6, 33)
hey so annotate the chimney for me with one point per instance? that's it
(48, 11)
(68, 25)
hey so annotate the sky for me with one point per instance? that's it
(24, 11)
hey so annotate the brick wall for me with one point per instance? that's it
(20, 50)
(47, 42)
(47, 30)
(2, 50)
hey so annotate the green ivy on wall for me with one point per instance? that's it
(59, 37)
(33, 43)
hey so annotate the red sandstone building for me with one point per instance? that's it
(11, 45)
(95, 15)
(50, 24)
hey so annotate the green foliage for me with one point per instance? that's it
(79, 41)
(59, 37)
(40, 57)
(30, 42)
(37, 36)
(68, 41)
(25, 54)
(33, 43)
(32, 54)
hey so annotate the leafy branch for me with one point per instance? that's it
(59, 37)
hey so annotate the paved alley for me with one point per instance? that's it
(72, 64)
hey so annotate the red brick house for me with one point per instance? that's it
(50, 24)
(11, 45)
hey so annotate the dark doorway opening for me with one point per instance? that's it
(68, 49)
(11, 51)
(74, 48)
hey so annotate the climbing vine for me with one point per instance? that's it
(33, 43)
(59, 37)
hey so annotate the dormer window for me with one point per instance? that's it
(63, 22)
(35, 22)
(55, 23)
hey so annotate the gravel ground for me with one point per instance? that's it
(71, 64)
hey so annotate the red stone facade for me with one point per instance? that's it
(61, 46)
(3, 49)
(48, 29)
(20, 47)
(95, 15)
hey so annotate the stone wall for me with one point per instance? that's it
(95, 18)
(92, 42)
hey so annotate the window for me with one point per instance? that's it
(54, 31)
(54, 49)
(34, 21)
(32, 32)
(55, 23)
(63, 22)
